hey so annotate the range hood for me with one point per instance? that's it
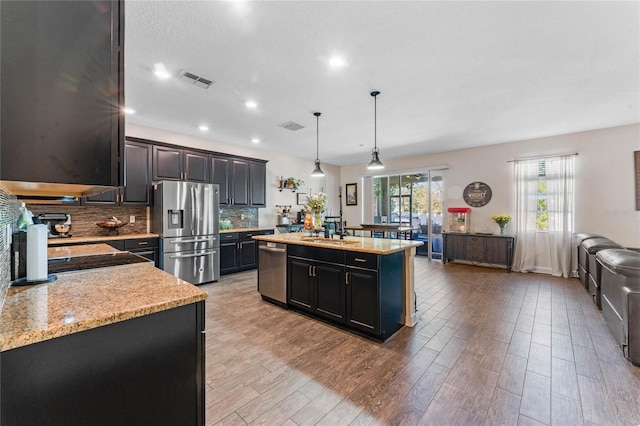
(51, 193)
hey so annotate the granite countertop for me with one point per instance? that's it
(81, 250)
(359, 244)
(83, 300)
(260, 228)
(97, 239)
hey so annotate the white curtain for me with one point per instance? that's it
(560, 207)
(526, 180)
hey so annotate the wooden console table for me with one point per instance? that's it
(478, 249)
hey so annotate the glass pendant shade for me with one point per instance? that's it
(375, 163)
(317, 172)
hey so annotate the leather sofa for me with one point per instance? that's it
(619, 278)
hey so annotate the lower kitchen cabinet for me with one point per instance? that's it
(147, 370)
(238, 251)
(145, 247)
(360, 291)
(478, 249)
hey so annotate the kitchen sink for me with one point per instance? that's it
(322, 240)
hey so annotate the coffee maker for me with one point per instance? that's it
(58, 224)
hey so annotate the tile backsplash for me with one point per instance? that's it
(84, 218)
(8, 217)
(239, 217)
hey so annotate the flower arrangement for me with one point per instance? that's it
(501, 220)
(316, 203)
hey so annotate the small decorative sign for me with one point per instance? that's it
(477, 194)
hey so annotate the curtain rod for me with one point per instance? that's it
(540, 156)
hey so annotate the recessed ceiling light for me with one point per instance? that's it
(129, 110)
(255, 140)
(161, 72)
(337, 62)
(203, 128)
(251, 104)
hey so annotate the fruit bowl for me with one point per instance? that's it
(111, 225)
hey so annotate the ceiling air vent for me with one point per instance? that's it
(291, 126)
(196, 79)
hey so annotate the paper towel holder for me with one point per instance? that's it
(24, 281)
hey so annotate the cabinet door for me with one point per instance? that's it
(196, 166)
(240, 182)
(363, 300)
(258, 176)
(455, 246)
(330, 291)
(248, 259)
(137, 174)
(300, 284)
(220, 171)
(228, 257)
(496, 250)
(105, 198)
(167, 163)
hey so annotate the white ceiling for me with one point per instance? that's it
(451, 74)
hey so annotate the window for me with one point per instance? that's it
(542, 215)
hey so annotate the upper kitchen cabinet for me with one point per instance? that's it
(180, 164)
(242, 181)
(62, 79)
(137, 173)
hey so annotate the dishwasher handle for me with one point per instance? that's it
(272, 249)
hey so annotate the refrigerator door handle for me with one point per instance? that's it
(206, 253)
(194, 205)
(195, 240)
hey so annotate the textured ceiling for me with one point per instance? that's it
(451, 74)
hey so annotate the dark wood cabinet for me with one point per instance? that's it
(258, 183)
(238, 251)
(220, 173)
(62, 79)
(242, 181)
(145, 370)
(145, 247)
(180, 164)
(361, 291)
(137, 189)
(479, 249)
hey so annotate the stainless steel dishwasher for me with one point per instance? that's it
(272, 272)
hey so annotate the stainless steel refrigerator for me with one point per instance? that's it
(185, 215)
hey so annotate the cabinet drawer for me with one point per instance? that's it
(248, 234)
(140, 243)
(317, 253)
(362, 260)
(229, 236)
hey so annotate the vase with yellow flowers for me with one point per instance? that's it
(316, 205)
(502, 220)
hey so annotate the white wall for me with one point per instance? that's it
(605, 194)
(278, 165)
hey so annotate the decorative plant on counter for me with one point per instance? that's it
(316, 205)
(501, 220)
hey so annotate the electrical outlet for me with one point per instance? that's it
(132, 219)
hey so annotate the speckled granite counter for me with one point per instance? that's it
(81, 250)
(95, 239)
(360, 244)
(260, 228)
(84, 300)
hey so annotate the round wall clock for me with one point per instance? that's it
(477, 194)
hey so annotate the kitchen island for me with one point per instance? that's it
(365, 284)
(117, 345)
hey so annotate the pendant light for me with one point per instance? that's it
(375, 163)
(317, 172)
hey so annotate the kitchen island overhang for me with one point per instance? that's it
(365, 245)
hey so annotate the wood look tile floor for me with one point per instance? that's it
(490, 348)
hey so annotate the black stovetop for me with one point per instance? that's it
(78, 263)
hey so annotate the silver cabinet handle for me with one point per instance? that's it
(143, 243)
(178, 256)
(310, 274)
(315, 270)
(346, 277)
(357, 259)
